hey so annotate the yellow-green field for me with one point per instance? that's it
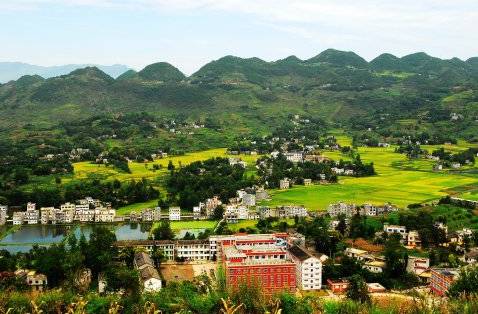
(139, 170)
(398, 180)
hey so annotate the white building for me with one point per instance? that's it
(3, 214)
(103, 214)
(413, 239)
(375, 266)
(284, 184)
(294, 156)
(174, 213)
(308, 268)
(18, 218)
(32, 215)
(196, 212)
(401, 230)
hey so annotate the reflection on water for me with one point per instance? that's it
(23, 239)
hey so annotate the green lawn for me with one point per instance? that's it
(398, 180)
(190, 224)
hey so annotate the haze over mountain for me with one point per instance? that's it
(14, 70)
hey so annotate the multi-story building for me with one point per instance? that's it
(47, 214)
(308, 268)
(341, 208)
(18, 218)
(3, 214)
(266, 212)
(291, 211)
(417, 265)
(210, 205)
(103, 214)
(196, 212)
(413, 239)
(32, 215)
(174, 213)
(233, 213)
(87, 215)
(401, 230)
(197, 250)
(268, 267)
(441, 279)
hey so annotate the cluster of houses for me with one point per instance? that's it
(349, 210)
(85, 210)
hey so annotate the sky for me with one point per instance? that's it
(190, 33)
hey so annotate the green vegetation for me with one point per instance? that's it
(398, 181)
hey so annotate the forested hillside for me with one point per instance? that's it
(160, 109)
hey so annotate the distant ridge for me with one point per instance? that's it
(14, 70)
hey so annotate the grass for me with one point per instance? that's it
(137, 207)
(190, 224)
(252, 224)
(398, 180)
(457, 217)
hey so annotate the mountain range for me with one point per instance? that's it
(252, 95)
(14, 70)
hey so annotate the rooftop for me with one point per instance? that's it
(300, 253)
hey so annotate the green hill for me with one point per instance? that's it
(250, 95)
(161, 71)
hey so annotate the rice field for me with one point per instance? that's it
(398, 180)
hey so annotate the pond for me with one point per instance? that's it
(24, 238)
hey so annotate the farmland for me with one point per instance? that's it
(398, 180)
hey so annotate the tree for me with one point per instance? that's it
(357, 289)
(218, 212)
(396, 256)
(467, 283)
(342, 225)
(100, 250)
(170, 166)
(123, 278)
(163, 231)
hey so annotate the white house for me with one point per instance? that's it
(18, 218)
(284, 184)
(174, 213)
(390, 229)
(308, 268)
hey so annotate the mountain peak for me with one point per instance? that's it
(90, 72)
(161, 71)
(339, 58)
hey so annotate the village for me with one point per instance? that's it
(278, 261)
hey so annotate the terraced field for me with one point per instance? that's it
(398, 180)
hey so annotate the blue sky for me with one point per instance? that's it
(190, 33)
